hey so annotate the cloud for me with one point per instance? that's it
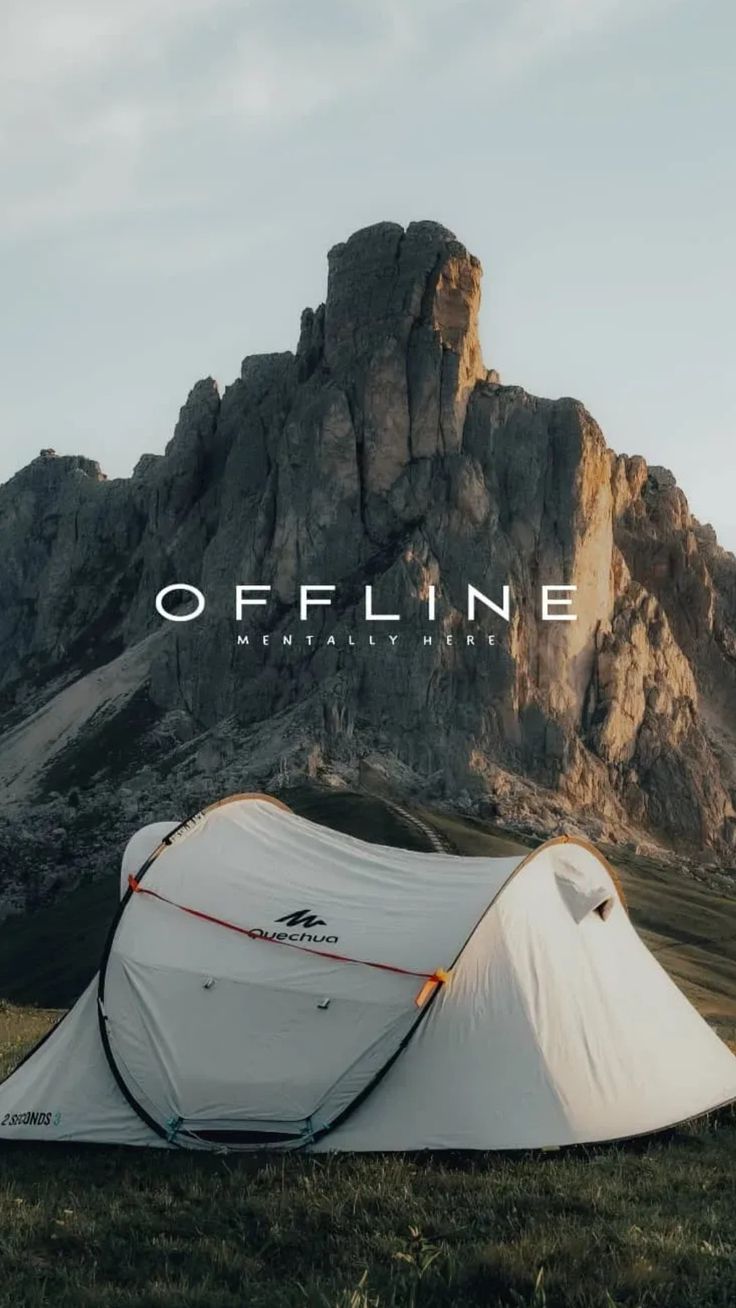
(512, 41)
(104, 105)
(90, 93)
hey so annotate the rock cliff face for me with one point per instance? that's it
(381, 453)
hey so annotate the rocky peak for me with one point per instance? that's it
(197, 419)
(398, 335)
(387, 284)
(50, 471)
(384, 280)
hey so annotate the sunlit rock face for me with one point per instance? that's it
(383, 452)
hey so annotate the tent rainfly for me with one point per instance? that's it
(269, 983)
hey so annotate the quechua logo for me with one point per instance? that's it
(302, 917)
(302, 922)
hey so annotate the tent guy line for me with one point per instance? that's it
(438, 975)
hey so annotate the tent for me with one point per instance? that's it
(270, 983)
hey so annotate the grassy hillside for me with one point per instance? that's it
(48, 957)
(692, 930)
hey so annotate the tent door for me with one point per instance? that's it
(242, 1064)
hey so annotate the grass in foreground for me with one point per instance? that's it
(648, 1225)
(597, 1227)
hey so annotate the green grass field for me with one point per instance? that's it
(647, 1225)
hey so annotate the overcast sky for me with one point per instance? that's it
(176, 170)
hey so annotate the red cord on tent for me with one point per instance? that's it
(431, 979)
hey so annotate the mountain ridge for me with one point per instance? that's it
(382, 452)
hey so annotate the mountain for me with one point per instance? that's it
(382, 453)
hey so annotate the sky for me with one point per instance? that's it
(176, 170)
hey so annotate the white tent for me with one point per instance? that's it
(271, 983)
